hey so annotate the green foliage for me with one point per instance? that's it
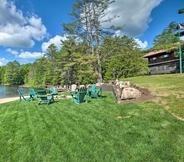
(168, 38)
(121, 58)
(2, 74)
(87, 27)
(39, 71)
(14, 75)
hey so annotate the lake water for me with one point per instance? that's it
(11, 91)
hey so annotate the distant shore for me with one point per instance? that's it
(9, 99)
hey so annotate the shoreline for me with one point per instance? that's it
(9, 99)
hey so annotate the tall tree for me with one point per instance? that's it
(167, 38)
(123, 59)
(13, 73)
(37, 71)
(52, 66)
(89, 16)
(75, 62)
(2, 72)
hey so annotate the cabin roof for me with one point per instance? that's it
(152, 53)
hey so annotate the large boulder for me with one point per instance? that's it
(130, 93)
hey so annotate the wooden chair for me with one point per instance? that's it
(53, 90)
(93, 87)
(95, 92)
(23, 98)
(44, 98)
(32, 93)
(80, 96)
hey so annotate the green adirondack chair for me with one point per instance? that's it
(32, 92)
(53, 90)
(23, 98)
(80, 96)
(93, 87)
(95, 92)
(44, 98)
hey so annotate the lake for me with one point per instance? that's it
(11, 91)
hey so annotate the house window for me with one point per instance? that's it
(165, 56)
(154, 58)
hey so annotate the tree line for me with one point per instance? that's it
(120, 58)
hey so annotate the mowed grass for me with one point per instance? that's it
(99, 131)
(168, 89)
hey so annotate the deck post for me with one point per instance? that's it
(180, 52)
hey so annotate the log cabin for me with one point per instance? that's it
(163, 62)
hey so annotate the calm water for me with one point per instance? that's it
(11, 91)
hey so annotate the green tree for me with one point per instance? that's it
(13, 74)
(24, 71)
(37, 72)
(76, 62)
(167, 38)
(122, 58)
(88, 26)
(51, 74)
(2, 73)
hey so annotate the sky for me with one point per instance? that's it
(28, 27)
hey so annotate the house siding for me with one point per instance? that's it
(163, 63)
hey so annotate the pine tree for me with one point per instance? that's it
(89, 16)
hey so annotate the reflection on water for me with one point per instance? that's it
(11, 91)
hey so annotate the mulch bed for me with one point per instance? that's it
(145, 94)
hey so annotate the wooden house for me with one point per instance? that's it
(163, 62)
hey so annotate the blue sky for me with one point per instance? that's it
(28, 27)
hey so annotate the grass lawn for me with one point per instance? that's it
(98, 131)
(169, 90)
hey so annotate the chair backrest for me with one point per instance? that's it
(32, 92)
(73, 87)
(96, 93)
(53, 90)
(41, 91)
(99, 89)
(22, 98)
(93, 87)
(81, 94)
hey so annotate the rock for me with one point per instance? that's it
(123, 86)
(81, 86)
(68, 96)
(130, 93)
(118, 92)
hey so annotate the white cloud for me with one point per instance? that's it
(3, 61)
(26, 55)
(134, 15)
(17, 30)
(55, 40)
(142, 45)
(14, 52)
(30, 55)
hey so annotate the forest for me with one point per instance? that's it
(71, 64)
